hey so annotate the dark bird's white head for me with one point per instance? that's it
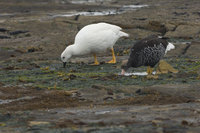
(66, 55)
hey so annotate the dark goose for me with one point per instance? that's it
(147, 52)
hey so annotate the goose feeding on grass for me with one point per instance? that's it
(92, 39)
(147, 52)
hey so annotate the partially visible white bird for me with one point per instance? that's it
(92, 39)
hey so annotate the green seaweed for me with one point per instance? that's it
(80, 76)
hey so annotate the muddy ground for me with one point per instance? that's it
(38, 95)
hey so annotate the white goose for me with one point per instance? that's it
(92, 39)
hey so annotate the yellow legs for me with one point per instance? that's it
(150, 75)
(113, 57)
(111, 61)
(95, 60)
(149, 70)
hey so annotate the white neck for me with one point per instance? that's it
(75, 51)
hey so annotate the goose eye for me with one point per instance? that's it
(63, 57)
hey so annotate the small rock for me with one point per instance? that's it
(3, 30)
(71, 93)
(108, 98)
(156, 26)
(184, 122)
(197, 100)
(28, 35)
(156, 123)
(180, 13)
(98, 87)
(164, 67)
(72, 76)
(152, 76)
(36, 123)
(193, 50)
(2, 124)
(159, 130)
(110, 92)
(184, 31)
(170, 27)
(31, 50)
(1, 84)
(138, 91)
(12, 55)
(4, 37)
(18, 32)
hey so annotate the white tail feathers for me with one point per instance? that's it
(170, 46)
(123, 34)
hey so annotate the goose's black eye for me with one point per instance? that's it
(63, 57)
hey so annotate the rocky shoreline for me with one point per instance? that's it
(32, 28)
(38, 95)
